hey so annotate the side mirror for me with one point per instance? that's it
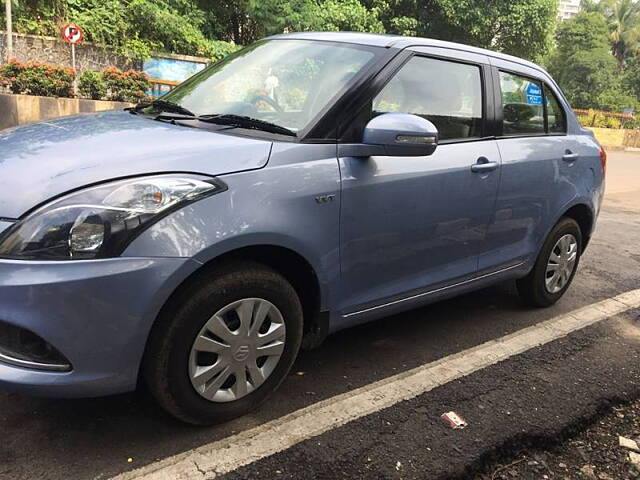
(402, 134)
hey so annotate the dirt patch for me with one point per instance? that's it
(593, 454)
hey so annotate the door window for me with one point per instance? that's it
(556, 118)
(446, 93)
(522, 105)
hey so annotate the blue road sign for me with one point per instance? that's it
(534, 94)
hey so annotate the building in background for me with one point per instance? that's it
(568, 9)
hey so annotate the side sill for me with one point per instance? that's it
(431, 292)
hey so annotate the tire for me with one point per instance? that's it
(533, 288)
(170, 364)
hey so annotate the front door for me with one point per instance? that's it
(409, 224)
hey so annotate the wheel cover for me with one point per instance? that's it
(237, 349)
(561, 263)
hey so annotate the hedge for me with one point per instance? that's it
(114, 84)
(50, 81)
(34, 78)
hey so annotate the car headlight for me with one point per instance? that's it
(100, 221)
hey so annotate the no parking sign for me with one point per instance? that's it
(72, 33)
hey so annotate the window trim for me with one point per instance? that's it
(545, 88)
(389, 72)
(499, 125)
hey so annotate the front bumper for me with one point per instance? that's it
(97, 313)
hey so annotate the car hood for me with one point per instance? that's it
(43, 160)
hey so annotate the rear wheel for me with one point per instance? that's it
(555, 266)
(225, 343)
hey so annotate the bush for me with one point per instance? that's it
(48, 81)
(612, 122)
(91, 85)
(11, 69)
(126, 86)
(601, 119)
(37, 79)
(217, 50)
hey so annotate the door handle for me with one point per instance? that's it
(570, 157)
(484, 166)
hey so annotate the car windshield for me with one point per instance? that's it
(283, 82)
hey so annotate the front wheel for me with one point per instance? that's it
(226, 342)
(555, 266)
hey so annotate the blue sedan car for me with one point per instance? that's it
(305, 184)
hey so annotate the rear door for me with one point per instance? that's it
(539, 164)
(411, 224)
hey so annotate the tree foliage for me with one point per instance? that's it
(133, 28)
(584, 66)
(623, 22)
(245, 21)
(631, 77)
(519, 27)
(341, 15)
(138, 27)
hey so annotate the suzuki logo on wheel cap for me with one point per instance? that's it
(241, 353)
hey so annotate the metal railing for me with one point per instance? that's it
(160, 87)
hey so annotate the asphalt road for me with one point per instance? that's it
(538, 396)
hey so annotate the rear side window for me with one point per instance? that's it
(522, 105)
(556, 118)
(448, 94)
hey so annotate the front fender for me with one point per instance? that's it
(275, 206)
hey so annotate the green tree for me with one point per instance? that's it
(588, 77)
(343, 15)
(586, 31)
(631, 77)
(519, 27)
(245, 21)
(584, 66)
(133, 28)
(623, 21)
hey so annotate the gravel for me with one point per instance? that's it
(592, 454)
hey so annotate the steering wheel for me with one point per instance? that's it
(264, 98)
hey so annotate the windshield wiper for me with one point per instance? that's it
(164, 106)
(167, 106)
(230, 120)
(242, 121)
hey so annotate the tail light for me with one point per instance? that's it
(603, 161)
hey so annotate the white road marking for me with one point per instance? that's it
(226, 455)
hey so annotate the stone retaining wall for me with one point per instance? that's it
(56, 51)
(22, 109)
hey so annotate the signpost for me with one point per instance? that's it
(9, 29)
(73, 34)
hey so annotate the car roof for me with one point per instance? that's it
(400, 42)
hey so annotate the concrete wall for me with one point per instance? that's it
(56, 51)
(23, 109)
